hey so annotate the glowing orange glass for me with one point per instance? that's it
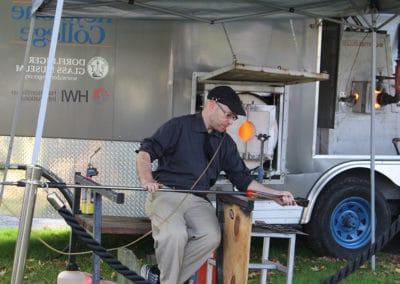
(246, 131)
(377, 93)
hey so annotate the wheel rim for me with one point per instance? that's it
(351, 223)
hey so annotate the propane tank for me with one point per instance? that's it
(78, 277)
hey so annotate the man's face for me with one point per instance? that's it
(222, 117)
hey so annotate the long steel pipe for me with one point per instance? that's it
(372, 137)
(164, 189)
(249, 193)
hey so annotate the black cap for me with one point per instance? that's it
(227, 96)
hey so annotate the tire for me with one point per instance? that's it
(340, 225)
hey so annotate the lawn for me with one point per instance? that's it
(43, 265)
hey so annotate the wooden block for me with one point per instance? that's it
(236, 244)
(129, 259)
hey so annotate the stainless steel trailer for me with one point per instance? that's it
(116, 80)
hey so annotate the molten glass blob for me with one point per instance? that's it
(356, 96)
(378, 94)
(246, 131)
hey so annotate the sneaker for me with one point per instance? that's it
(151, 273)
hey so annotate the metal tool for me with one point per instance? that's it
(261, 172)
(249, 193)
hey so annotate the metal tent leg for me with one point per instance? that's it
(32, 171)
(33, 174)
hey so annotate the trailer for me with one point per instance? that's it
(116, 80)
(330, 165)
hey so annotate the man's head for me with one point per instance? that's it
(222, 108)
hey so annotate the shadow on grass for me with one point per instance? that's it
(43, 264)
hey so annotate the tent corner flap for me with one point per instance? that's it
(35, 5)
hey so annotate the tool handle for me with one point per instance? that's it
(301, 201)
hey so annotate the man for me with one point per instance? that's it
(191, 151)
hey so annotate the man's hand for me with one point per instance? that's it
(284, 198)
(281, 197)
(152, 186)
(143, 168)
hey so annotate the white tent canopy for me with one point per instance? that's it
(216, 11)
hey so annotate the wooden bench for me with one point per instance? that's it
(119, 225)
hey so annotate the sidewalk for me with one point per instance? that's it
(38, 223)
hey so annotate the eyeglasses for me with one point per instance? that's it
(229, 115)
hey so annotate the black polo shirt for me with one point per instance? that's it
(179, 147)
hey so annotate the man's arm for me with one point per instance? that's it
(143, 169)
(280, 197)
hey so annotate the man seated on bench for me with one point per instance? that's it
(192, 150)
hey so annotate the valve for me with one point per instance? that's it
(87, 204)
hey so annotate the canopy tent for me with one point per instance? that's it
(211, 12)
(216, 11)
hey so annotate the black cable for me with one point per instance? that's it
(356, 262)
(99, 250)
(52, 178)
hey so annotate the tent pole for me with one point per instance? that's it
(359, 11)
(387, 22)
(299, 11)
(17, 108)
(33, 172)
(372, 132)
(47, 82)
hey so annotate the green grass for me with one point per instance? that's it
(43, 265)
(311, 268)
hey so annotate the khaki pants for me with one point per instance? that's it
(185, 232)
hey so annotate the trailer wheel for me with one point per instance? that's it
(341, 221)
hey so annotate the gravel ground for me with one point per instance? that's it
(38, 223)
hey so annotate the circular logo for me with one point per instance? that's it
(97, 67)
